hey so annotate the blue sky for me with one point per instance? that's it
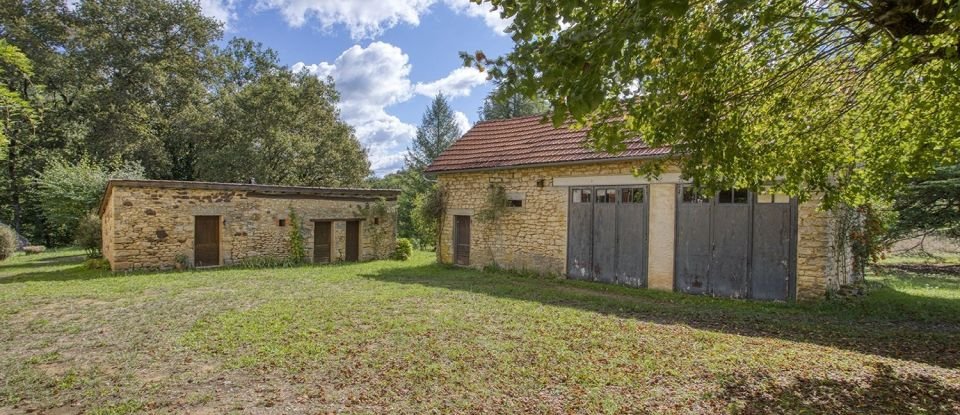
(387, 57)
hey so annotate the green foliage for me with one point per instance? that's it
(278, 127)
(69, 191)
(298, 248)
(430, 212)
(438, 130)
(851, 99)
(495, 205)
(182, 261)
(929, 206)
(257, 262)
(96, 263)
(404, 249)
(171, 96)
(16, 110)
(88, 235)
(500, 105)
(8, 242)
(375, 215)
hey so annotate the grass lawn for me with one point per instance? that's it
(416, 337)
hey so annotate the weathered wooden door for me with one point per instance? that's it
(353, 241)
(580, 234)
(632, 214)
(461, 240)
(771, 267)
(321, 242)
(605, 234)
(729, 267)
(693, 249)
(731, 245)
(206, 241)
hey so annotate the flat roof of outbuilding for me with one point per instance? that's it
(262, 190)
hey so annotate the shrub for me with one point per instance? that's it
(8, 242)
(298, 247)
(96, 263)
(255, 262)
(403, 250)
(87, 235)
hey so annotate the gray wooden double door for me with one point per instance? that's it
(735, 244)
(607, 234)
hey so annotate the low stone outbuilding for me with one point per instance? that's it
(586, 215)
(158, 223)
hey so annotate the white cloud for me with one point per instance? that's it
(370, 18)
(490, 17)
(363, 18)
(373, 78)
(370, 80)
(223, 11)
(462, 121)
(458, 83)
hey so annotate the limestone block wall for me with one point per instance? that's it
(823, 261)
(107, 229)
(532, 237)
(145, 227)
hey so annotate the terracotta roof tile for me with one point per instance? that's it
(524, 141)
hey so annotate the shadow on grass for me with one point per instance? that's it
(884, 393)
(885, 323)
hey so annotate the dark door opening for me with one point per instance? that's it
(353, 241)
(206, 242)
(321, 242)
(461, 240)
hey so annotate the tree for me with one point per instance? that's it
(70, 191)
(852, 99)
(929, 206)
(278, 127)
(438, 130)
(499, 105)
(18, 118)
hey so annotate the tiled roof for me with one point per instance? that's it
(525, 141)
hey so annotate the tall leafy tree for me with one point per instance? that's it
(438, 129)
(145, 62)
(144, 82)
(849, 98)
(500, 105)
(18, 118)
(279, 127)
(929, 206)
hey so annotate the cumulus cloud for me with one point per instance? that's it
(373, 78)
(462, 121)
(363, 18)
(370, 80)
(223, 11)
(458, 83)
(490, 17)
(370, 18)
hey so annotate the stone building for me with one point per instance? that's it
(575, 212)
(158, 223)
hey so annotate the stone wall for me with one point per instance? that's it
(147, 227)
(824, 262)
(107, 229)
(534, 237)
